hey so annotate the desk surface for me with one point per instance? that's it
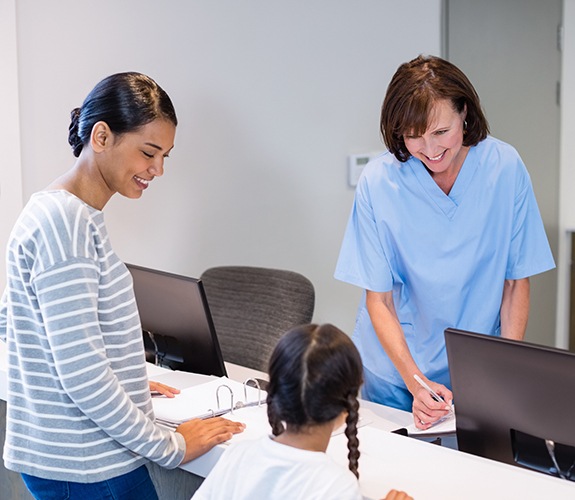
(424, 470)
(388, 460)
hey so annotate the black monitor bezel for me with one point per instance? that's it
(164, 311)
(505, 388)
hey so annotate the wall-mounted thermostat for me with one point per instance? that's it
(355, 166)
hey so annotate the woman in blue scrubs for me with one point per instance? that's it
(444, 232)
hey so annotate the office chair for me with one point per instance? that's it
(252, 307)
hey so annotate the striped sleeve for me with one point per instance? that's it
(68, 298)
(3, 317)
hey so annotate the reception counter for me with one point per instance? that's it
(387, 461)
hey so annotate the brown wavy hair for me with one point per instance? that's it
(412, 93)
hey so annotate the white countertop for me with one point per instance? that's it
(424, 470)
(388, 460)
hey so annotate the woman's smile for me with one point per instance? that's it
(437, 158)
(143, 183)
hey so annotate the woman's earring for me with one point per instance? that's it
(464, 127)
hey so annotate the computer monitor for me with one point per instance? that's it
(514, 401)
(177, 325)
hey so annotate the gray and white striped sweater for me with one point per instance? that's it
(79, 406)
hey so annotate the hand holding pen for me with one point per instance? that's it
(424, 414)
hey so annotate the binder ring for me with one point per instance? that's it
(255, 381)
(231, 397)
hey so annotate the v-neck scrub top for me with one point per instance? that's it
(445, 257)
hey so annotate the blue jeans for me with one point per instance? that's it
(135, 485)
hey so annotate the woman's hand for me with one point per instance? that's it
(202, 435)
(426, 410)
(157, 389)
(397, 495)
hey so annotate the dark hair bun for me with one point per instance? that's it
(73, 137)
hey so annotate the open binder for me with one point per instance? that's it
(221, 396)
(240, 402)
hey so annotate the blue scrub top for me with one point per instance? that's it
(445, 257)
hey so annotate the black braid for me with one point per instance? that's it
(351, 421)
(274, 420)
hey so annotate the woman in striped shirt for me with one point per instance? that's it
(79, 415)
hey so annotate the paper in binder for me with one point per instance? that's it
(218, 397)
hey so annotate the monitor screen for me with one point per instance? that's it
(514, 401)
(176, 322)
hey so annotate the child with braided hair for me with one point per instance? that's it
(315, 373)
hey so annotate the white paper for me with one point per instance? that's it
(445, 426)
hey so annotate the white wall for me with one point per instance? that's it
(10, 172)
(271, 95)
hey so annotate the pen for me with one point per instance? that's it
(434, 395)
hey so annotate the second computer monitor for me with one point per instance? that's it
(176, 322)
(514, 401)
